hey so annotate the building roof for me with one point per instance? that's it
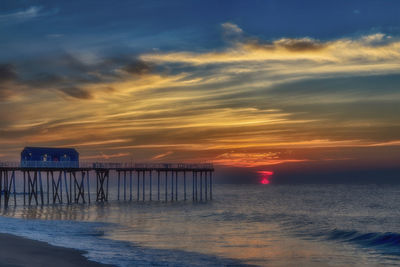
(50, 150)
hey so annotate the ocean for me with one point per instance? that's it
(261, 225)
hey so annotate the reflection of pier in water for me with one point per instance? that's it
(54, 183)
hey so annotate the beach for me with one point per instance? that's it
(19, 251)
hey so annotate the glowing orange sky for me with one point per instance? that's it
(254, 103)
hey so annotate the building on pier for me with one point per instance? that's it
(49, 157)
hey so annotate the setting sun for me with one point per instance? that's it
(265, 176)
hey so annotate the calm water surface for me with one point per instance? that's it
(297, 225)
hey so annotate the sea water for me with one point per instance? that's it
(263, 225)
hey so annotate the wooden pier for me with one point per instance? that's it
(57, 184)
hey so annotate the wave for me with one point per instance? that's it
(94, 239)
(388, 241)
(382, 242)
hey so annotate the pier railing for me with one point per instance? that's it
(105, 165)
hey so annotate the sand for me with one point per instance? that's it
(18, 251)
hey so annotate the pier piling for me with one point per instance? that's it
(119, 180)
(124, 185)
(166, 186)
(138, 185)
(144, 185)
(176, 185)
(201, 186)
(47, 184)
(193, 186)
(158, 185)
(130, 185)
(151, 185)
(88, 185)
(184, 185)
(172, 186)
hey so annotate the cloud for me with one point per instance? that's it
(137, 67)
(71, 75)
(24, 15)
(231, 32)
(5, 93)
(355, 51)
(162, 155)
(8, 75)
(241, 105)
(377, 39)
(251, 160)
(100, 142)
(45, 80)
(104, 156)
(231, 27)
(302, 44)
(76, 92)
(7, 72)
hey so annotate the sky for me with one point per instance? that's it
(277, 86)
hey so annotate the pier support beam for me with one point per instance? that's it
(102, 185)
(24, 174)
(1, 185)
(124, 185)
(196, 185)
(32, 187)
(158, 185)
(119, 181)
(193, 185)
(66, 188)
(41, 186)
(211, 185)
(172, 186)
(144, 185)
(138, 185)
(88, 185)
(56, 186)
(166, 186)
(205, 185)
(176, 185)
(130, 185)
(201, 186)
(79, 188)
(7, 187)
(151, 184)
(50, 189)
(184, 185)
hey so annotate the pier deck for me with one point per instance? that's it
(56, 183)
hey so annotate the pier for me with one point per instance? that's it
(43, 183)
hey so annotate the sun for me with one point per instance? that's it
(265, 176)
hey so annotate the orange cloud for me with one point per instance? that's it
(105, 156)
(250, 160)
(163, 155)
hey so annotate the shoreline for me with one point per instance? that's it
(21, 251)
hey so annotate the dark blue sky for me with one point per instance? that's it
(137, 26)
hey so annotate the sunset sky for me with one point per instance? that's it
(254, 84)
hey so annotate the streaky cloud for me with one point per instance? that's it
(25, 15)
(76, 92)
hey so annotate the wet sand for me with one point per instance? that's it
(19, 251)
